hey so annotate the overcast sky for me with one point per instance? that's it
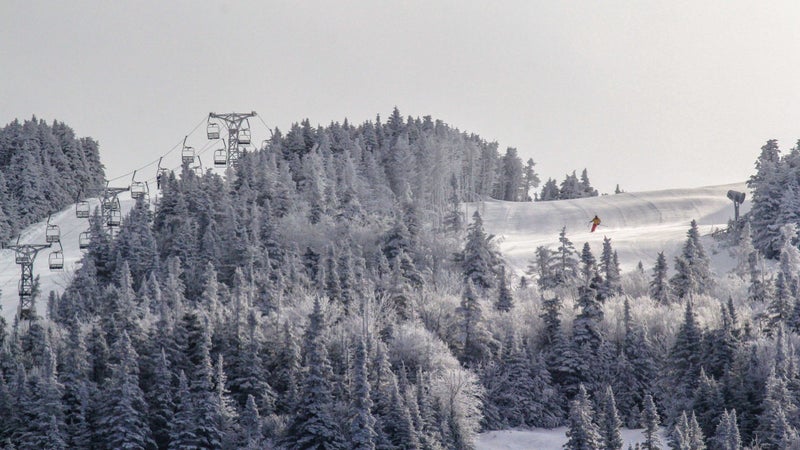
(650, 95)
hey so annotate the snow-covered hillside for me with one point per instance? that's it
(639, 224)
(70, 227)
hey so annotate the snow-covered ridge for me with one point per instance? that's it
(639, 224)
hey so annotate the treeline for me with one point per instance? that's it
(43, 168)
(571, 187)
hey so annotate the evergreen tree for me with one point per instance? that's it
(478, 259)
(582, 432)
(312, 425)
(651, 422)
(505, 300)
(687, 435)
(125, 414)
(727, 435)
(566, 263)
(475, 341)
(362, 423)
(609, 423)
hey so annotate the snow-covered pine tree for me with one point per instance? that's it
(651, 422)
(767, 186)
(582, 432)
(727, 434)
(659, 285)
(505, 300)
(608, 421)
(565, 265)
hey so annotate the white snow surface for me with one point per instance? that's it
(70, 227)
(639, 224)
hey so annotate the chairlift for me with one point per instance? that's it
(22, 258)
(138, 189)
(114, 219)
(52, 233)
(187, 155)
(111, 204)
(84, 239)
(220, 157)
(56, 260)
(244, 136)
(82, 209)
(212, 131)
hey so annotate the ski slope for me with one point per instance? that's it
(70, 227)
(639, 224)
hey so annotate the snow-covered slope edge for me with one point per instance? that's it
(639, 224)
(70, 227)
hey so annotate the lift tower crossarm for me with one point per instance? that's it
(234, 123)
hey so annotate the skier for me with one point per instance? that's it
(595, 222)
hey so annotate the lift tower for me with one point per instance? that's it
(25, 255)
(238, 126)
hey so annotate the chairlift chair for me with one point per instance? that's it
(187, 155)
(244, 136)
(56, 260)
(114, 219)
(111, 204)
(22, 258)
(52, 233)
(212, 131)
(84, 239)
(220, 157)
(138, 190)
(82, 209)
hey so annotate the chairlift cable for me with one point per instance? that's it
(165, 154)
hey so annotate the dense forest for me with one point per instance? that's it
(329, 293)
(43, 168)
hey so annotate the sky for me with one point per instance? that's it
(645, 94)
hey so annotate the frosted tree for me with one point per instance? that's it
(727, 435)
(565, 266)
(608, 421)
(474, 339)
(659, 285)
(582, 432)
(125, 413)
(742, 249)
(478, 259)
(767, 187)
(531, 179)
(362, 423)
(542, 268)
(610, 271)
(313, 425)
(775, 425)
(687, 435)
(692, 267)
(505, 300)
(651, 422)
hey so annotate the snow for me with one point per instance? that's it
(70, 227)
(541, 439)
(639, 224)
